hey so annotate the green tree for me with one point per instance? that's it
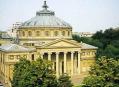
(19, 69)
(98, 35)
(37, 73)
(105, 73)
(107, 42)
(33, 74)
(76, 37)
(64, 81)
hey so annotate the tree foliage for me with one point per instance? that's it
(64, 81)
(33, 74)
(107, 42)
(105, 73)
(37, 73)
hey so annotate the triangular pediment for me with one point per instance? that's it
(62, 43)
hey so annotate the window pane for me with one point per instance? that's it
(63, 33)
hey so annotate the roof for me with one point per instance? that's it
(15, 48)
(77, 44)
(45, 21)
(87, 46)
(45, 18)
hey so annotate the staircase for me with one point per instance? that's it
(78, 79)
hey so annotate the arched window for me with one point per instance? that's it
(56, 33)
(47, 33)
(23, 33)
(29, 33)
(63, 33)
(37, 33)
(68, 33)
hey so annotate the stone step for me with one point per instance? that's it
(78, 79)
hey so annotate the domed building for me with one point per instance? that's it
(44, 28)
(50, 38)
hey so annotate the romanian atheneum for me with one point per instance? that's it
(48, 37)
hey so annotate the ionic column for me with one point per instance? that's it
(72, 63)
(49, 56)
(60, 65)
(57, 64)
(79, 62)
(65, 62)
(53, 66)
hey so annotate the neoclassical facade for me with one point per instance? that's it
(48, 37)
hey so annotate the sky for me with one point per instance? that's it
(82, 15)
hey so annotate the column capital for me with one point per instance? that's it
(57, 53)
(79, 52)
(65, 52)
(42, 53)
(72, 52)
(49, 53)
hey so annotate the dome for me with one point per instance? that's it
(45, 21)
(45, 18)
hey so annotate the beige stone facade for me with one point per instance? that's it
(50, 38)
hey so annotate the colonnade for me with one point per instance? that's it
(57, 60)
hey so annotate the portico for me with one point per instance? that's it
(64, 62)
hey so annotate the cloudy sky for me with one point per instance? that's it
(83, 15)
